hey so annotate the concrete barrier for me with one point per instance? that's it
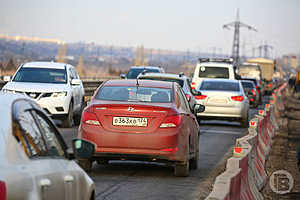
(247, 166)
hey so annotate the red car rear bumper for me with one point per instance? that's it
(167, 144)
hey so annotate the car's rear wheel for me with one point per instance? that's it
(182, 169)
(68, 121)
(85, 164)
(245, 121)
(194, 161)
(77, 117)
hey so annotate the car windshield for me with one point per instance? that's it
(248, 85)
(220, 86)
(140, 94)
(133, 73)
(213, 72)
(41, 75)
(180, 82)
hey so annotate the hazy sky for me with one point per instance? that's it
(166, 24)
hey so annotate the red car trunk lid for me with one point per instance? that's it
(131, 118)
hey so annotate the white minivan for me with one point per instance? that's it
(213, 68)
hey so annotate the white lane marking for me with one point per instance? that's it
(221, 132)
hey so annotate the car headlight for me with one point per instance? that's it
(59, 94)
(8, 91)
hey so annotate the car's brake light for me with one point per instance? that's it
(3, 191)
(257, 89)
(253, 92)
(237, 98)
(270, 85)
(188, 97)
(171, 121)
(90, 118)
(193, 85)
(200, 97)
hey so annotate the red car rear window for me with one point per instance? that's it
(140, 94)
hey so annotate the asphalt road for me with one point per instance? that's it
(122, 180)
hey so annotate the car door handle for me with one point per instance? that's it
(45, 183)
(69, 179)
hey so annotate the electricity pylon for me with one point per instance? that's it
(265, 48)
(237, 24)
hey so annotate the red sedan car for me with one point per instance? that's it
(141, 120)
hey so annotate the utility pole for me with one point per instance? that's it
(237, 24)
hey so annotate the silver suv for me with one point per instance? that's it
(56, 87)
(134, 71)
(181, 79)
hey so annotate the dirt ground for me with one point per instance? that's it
(283, 156)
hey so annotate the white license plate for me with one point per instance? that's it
(218, 101)
(129, 121)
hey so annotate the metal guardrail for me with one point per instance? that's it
(89, 86)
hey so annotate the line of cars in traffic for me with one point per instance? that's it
(149, 116)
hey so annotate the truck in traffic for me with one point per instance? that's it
(267, 68)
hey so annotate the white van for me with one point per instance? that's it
(213, 68)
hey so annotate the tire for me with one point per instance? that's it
(194, 161)
(85, 164)
(77, 117)
(182, 169)
(245, 122)
(68, 121)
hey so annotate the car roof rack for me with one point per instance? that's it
(222, 60)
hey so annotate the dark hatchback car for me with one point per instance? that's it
(134, 71)
(142, 120)
(251, 92)
(180, 78)
(259, 87)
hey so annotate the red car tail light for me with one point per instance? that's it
(188, 97)
(237, 98)
(90, 118)
(201, 97)
(270, 85)
(193, 85)
(253, 92)
(171, 121)
(3, 191)
(257, 89)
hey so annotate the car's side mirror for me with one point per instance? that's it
(76, 82)
(199, 108)
(122, 76)
(196, 92)
(83, 149)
